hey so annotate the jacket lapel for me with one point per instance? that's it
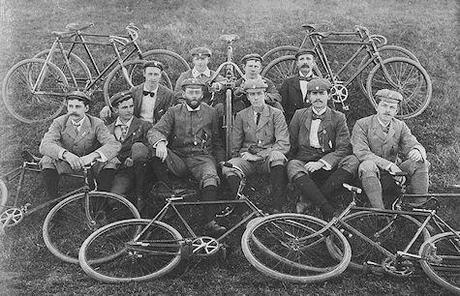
(84, 129)
(138, 96)
(70, 130)
(264, 118)
(324, 125)
(132, 128)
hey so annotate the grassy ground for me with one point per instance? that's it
(427, 28)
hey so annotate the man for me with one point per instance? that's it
(293, 90)
(260, 141)
(131, 132)
(380, 141)
(186, 140)
(74, 140)
(321, 152)
(200, 71)
(151, 99)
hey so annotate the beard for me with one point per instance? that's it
(193, 103)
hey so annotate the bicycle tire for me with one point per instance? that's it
(173, 63)
(279, 51)
(445, 273)
(385, 51)
(78, 67)
(129, 264)
(66, 226)
(394, 238)
(3, 195)
(274, 246)
(283, 67)
(416, 88)
(30, 107)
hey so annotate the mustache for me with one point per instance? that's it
(305, 66)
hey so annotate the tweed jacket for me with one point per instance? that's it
(207, 95)
(291, 95)
(137, 132)
(370, 142)
(333, 136)
(165, 99)
(189, 133)
(270, 135)
(61, 135)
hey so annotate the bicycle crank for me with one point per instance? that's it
(399, 268)
(339, 94)
(11, 217)
(205, 246)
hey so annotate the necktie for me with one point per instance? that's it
(146, 93)
(316, 116)
(124, 132)
(304, 78)
(257, 118)
(76, 126)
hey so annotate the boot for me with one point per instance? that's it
(233, 184)
(373, 190)
(209, 193)
(334, 183)
(105, 179)
(139, 183)
(50, 181)
(278, 179)
(311, 192)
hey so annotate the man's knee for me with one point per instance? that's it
(276, 158)
(409, 166)
(350, 163)
(139, 152)
(295, 168)
(368, 168)
(209, 180)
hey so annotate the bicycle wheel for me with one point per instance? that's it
(29, 105)
(283, 67)
(405, 76)
(386, 52)
(289, 247)
(390, 231)
(66, 226)
(441, 260)
(156, 252)
(173, 63)
(77, 67)
(3, 195)
(279, 51)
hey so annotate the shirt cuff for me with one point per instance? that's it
(327, 166)
(102, 157)
(61, 153)
(156, 143)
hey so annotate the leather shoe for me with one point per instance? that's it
(213, 227)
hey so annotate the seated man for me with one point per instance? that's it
(186, 140)
(131, 132)
(321, 152)
(379, 141)
(74, 140)
(200, 71)
(293, 90)
(259, 143)
(151, 99)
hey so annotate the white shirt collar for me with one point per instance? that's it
(309, 74)
(80, 122)
(154, 90)
(195, 73)
(321, 112)
(258, 77)
(119, 122)
(190, 108)
(382, 124)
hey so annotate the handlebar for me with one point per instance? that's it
(133, 35)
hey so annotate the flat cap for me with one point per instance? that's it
(303, 51)
(200, 52)
(254, 84)
(79, 95)
(318, 84)
(154, 64)
(190, 82)
(391, 95)
(251, 57)
(120, 97)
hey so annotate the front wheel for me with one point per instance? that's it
(290, 247)
(73, 219)
(441, 260)
(136, 250)
(279, 51)
(406, 77)
(34, 91)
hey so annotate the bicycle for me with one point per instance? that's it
(405, 75)
(381, 240)
(72, 219)
(33, 89)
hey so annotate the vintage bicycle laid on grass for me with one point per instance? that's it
(403, 74)
(76, 214)
(384, 240)
(33, 89)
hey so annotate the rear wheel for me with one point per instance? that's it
(289, 247)
(279, 51)
(156, 252)
(67, 225)
(441, 260)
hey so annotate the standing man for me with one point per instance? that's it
(200, 72)
(260, 142)
(322, 158)
(186, 140)
(384, 145)
(151, 99)
(293, 90)
(131, 132)
(74, 140)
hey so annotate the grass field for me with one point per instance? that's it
(428, 28)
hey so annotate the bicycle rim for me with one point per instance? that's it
(160, 251)
(442, 265)
(173, 64)
(277, 246)
(66, 226)
(29, 106)
(390, 231)
(408, 78)
(3, 195)
(279, 51)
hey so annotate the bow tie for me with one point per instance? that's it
(303, 78)
(316, 116)
(146, 93)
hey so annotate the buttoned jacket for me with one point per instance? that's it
(333, 137)
(164, 100)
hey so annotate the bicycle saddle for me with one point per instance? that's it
(78, 27)
(309, 27)
(29, 157)
(229, 37)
